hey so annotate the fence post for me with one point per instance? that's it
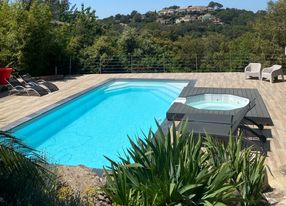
(56, 70)
(196, 62)
(70, 66)
(99, 66)
(164, 63)
(130, 62)
(230, 65)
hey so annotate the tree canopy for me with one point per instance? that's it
(215, 5)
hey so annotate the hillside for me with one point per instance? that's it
(44, 37)
(197, 20)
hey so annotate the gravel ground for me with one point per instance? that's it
(84, 182)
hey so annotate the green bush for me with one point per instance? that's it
(25, 178)
(249, 170)
(179, 169)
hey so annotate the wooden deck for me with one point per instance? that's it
(259, 113)
(13, 108)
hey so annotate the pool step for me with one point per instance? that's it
(119, 87)
(165, 95)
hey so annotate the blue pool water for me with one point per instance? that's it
(97, 123)
(217, 101)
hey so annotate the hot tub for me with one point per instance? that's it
(216, 101)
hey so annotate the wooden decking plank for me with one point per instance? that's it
(262, 105)
(252, 97)
(257, 101)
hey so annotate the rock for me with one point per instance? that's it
(282, 170)
(276, 197)
(85, 182)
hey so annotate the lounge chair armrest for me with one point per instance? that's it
(247, 68)
(19, 87)
(9, 86)
(32, 84)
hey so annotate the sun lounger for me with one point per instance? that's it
(20, 88)
(272, 73)
(253, 70)
(50, 86)
(220, 125)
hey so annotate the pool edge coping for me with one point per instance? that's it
(46, 109)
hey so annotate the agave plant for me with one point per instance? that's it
(168, 169)
(248, 167)
(24, 177)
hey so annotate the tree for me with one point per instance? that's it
(99, 54)
(10, 28)
(272, 26)
(172, 7)
(59, 8)
(150, 16)
(26, 3)
(83, 30)
(128, 42)
(135, 16)
(27, 37)
(85, 26)
(37, 54)
(215, 5)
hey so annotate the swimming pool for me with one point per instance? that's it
(96, 124)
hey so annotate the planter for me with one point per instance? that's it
(5, 73)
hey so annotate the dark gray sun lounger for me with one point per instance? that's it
(50, 86)
(220, 125)
(18, 87)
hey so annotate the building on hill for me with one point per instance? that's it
(123, 24)
(206, 17)
(211, 18)
(217, 21)
(199, 9)
(182, 10)
(187, 18)
(164, 21)
(167, 12)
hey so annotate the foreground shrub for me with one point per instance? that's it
(248, 167)
(24, 177)
(178, 169)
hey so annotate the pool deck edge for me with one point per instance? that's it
(40, 112)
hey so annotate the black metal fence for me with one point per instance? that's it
(194, 63)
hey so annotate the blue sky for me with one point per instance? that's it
(105, 8)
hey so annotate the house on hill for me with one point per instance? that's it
(182, 10)
(206, 17)
(211, 18)
(187, 18)
(164, 21)
(199, 9)
(167, 12)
